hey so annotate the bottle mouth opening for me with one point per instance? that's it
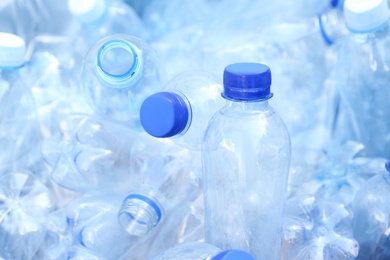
(139, 214)
(119, 63)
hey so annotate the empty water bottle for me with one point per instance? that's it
(167, 175)
(246, 160)
(119, 72)
(317, 229)
(182, 224)
(202, 251)
(95, 227)
(91, 155)
(19, 132)
(183, 110)
(24, 205)
(371, 210)
(362, 74)
(101, 18)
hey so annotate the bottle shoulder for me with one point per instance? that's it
(254, 125)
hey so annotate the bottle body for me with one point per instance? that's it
(90, 154)
(19, 131)
(362, 79)
(190, 250)
(24, 205)
(371, 211)
(246, 160)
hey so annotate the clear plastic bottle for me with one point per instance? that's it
(95, 227)
(91, 155)
(246, 157)
(318, 229)
(119, 72)
(101, 18)
(182, 224)
(183, 110)
(19, 131)
(167, 176)
(25, 204)
(371, 210)
(202, 251)
(362, 75)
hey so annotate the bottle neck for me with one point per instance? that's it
(379, 32)
(248, 105)
(139, 214)
(332, 26)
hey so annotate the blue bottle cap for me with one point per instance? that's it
(164, 114)
(233, 255)
(247, 82)
(387, 165)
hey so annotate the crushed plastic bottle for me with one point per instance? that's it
(317, 229)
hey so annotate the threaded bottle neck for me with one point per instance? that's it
(119, 63)
(139, 214)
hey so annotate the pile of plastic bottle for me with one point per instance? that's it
(202, 129)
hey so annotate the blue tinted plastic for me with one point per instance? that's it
(247, 81)
(164, 114)
(233, 255)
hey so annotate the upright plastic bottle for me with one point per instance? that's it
(119, 72)
(183, 110)
(362, 74)
(246, 157)
(371, 209)
(19, 132)
(202, 251)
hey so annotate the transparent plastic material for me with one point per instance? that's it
(190, 250)
(90, 154)
(362, 78)
(167, 174)
(115, 17)
(118, 73)
(317, 229)
(371, 224)
(24, 205)
(95, 227)
(182, 224)
(19, 130)
(246, 160)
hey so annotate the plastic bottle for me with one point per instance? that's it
(19, 132)
(362, 74)
(167, 176)
(119, 72)
(101, 18)
(184, 223)
(95, 227)
(49, 72)
(246, 158)
(183, 109)
(317, 229)
(371, 209)
(24, 206)
(202, 251)
(90, 155)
